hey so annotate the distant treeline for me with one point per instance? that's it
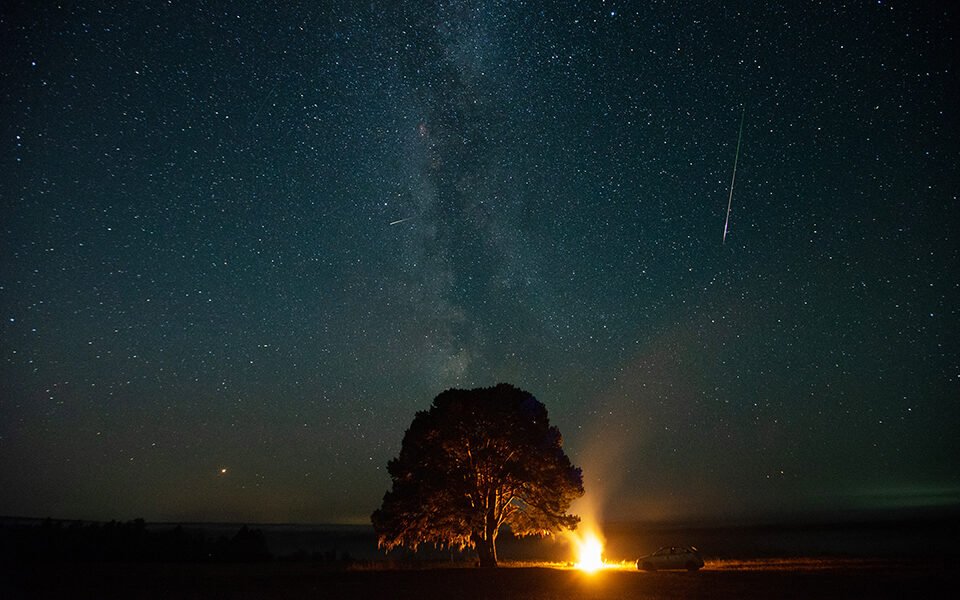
(126, 541)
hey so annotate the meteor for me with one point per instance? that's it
(726, 224)
(397, 222)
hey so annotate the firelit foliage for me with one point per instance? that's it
(477, 460)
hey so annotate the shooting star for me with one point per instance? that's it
(397, 222)
(736, 157)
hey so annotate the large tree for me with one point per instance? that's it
(477, 460)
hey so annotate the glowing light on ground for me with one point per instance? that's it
(586, 542)
(590, 553)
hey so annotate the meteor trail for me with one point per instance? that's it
(726, 224)
(400, 221)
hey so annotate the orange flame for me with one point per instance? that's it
(590, 553)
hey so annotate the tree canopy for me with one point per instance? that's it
(477, 460)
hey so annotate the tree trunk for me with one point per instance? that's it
(486, 551)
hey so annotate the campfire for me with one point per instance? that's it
(589, 553)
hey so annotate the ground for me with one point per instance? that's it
(807, 578)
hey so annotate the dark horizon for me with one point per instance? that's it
(854, 518)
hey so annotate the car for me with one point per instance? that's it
(672, 557)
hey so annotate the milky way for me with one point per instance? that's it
(211, 310)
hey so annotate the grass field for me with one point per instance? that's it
(788, 578)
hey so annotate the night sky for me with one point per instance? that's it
(242, 244)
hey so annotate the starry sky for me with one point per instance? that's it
(244, 242)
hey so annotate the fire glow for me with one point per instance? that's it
(590, 553)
